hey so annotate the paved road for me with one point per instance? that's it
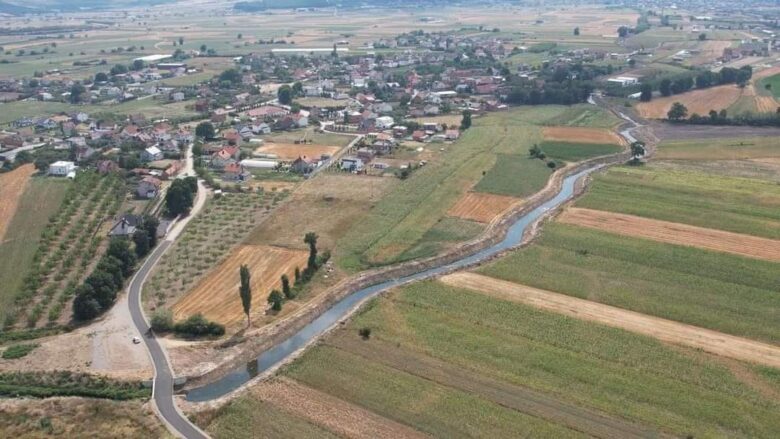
(162, 391)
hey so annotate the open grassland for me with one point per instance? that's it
(733, 204)
(583, 115)
(12, 186)
(453, 363)
(481, 207)
(717, 291)
(78, 417)
(697, 101)
(720, 149)
(41, 199)
(771, 84)
(216, 295)
(573, 151)
(761, 169)
(151, 108)
(515, 175)
(674, 233)
(714, 342)
(415, 205)
(447, 233)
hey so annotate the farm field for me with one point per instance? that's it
(761, 169)
(720, 149)
(722, 292)
(41, 199)
(216, 295)
(451, 362)
(668, 331)
(481, 207)
(732, 204)
(12, 187)
(673, 233)
(405, 214)
(581, 135)
(697, 101)
(773, 82)
(574, 152)
(291, 151)
(585, 115)
(209, 238)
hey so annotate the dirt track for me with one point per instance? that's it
(12, 185)
(334, 414)
(674, 233)
(665, 330)
(582, 135)
(516, 397)
(481, 207)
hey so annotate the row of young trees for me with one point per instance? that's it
(703, 79)
(679, 114)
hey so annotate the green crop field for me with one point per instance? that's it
(774, 85)
(728, 203)
(518, 175)
(447, 232)
(573, 152)
(41, 200)
(449, 361)
(714, 290)
(720, 149)
(584, 115)
(413, 207)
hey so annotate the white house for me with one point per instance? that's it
(151, 154)
(624, 81)
(384, 122)
(62, 168)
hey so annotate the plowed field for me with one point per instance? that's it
(582, 135)
(674, 233)
(697, 101)
(216, 296)
(666, 330)
(481, 207)
(291, 151)
(12, 186)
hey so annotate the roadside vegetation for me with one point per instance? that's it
(49, 384)
(18, 351)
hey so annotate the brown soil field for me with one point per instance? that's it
(674, 233)
(581, 135)
(520, 398)
(333, 414)
(216, 296)
(481, 207)
(709, 51)
(669, 331)
(697, 101)
(291, 151)
(12, 185)
(452, 120)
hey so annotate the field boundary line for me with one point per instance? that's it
(714, 342)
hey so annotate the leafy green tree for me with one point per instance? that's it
(288, 292)
(120, 249)
(245, 291)
(230, 75)
(285, 95)
(276, 299)
(702, 36)
(297, 275)
(77, 92)
(101, 77)
(677, 112)
(665, 87)
(297, 89)
(576, 31)
(465, 121)
(646, 92)
(205, 130)
(311, 239)
(141, 241)
(179, 198)
(85, 306)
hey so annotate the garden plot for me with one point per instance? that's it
(216, 296)
(481, 207)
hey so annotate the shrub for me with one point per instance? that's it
(18, 351)
(198, 326)
(365, 333)
(162, 320)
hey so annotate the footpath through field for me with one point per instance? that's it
(674, 233)
(665, 330)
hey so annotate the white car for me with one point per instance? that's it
(136, 340)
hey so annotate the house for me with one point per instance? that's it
(624, 81)
(235, 172)
(419, 136)
(384, 122)
(351, 163)
(225, 157)
(232, 136)
(151, 154)
(12, 141)
(452, 134)
(62, 168)
(126, 225)
(107, 166)
(302, 165)
(148, 187)
(266, 112)
(261, 128)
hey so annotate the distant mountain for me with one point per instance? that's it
(18, 7)
(11, 9)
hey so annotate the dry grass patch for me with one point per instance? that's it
(481, 207)
(12, 185)
(697, 101)
(582, 135)
(291, 151)
(674, 233)
(216, 296)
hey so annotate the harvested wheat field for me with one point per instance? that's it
(291, 151)
(665, 330)
(582, 135)
(216, 296)
(12, 186)
(481, 207)
(334, 414)
(697, 101)
(762, 104)
(674, 233)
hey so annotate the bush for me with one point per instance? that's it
(198, 326)
(18, 351)
(162, 320)
(365, 333)
(63, 383)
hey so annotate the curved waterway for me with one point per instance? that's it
(280, 352)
